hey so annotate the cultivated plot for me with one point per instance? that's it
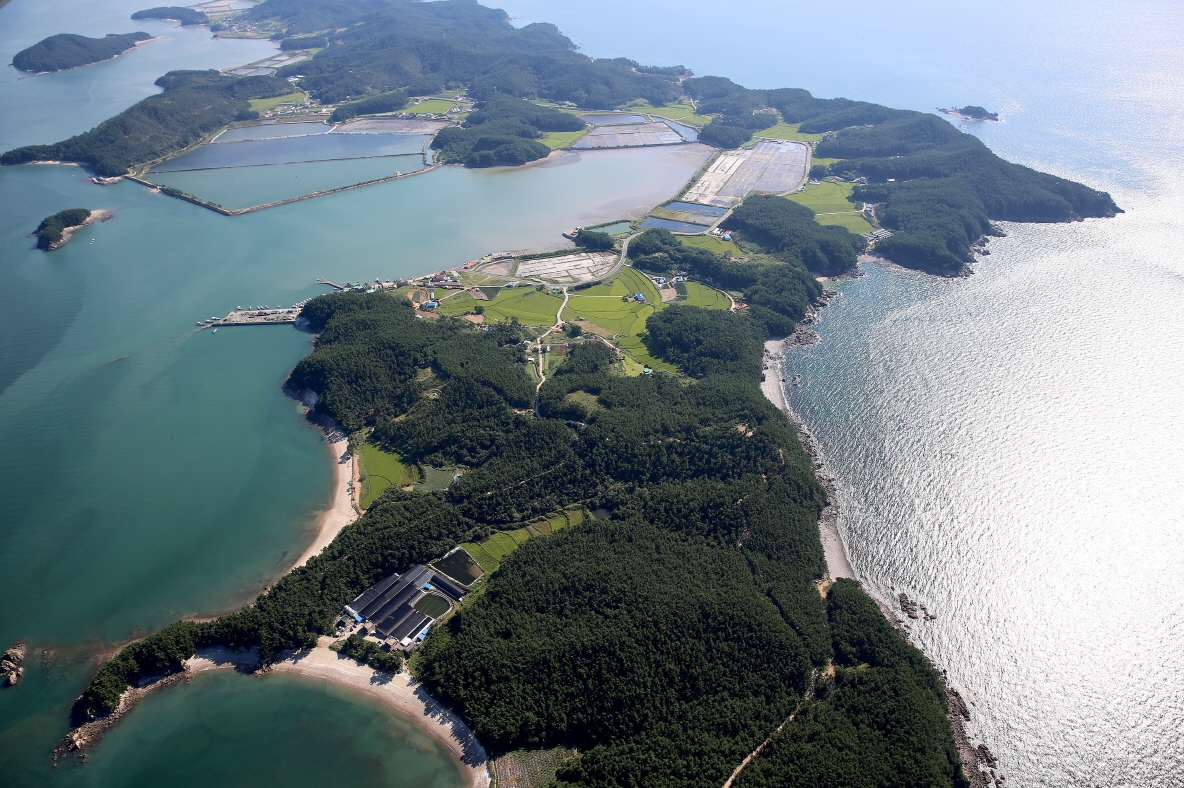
(772, 166)
(569, 269)
(629, 136)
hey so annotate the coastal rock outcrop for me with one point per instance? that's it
(11, 670)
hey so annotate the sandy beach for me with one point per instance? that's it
(403, 694)
(837, 563)
(400, 692)
(341, 510)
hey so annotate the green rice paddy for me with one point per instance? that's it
(706, 297)
(531, 307)
(491, 551)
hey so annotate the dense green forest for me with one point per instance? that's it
(192, 104)
(454, 43)
(385, 102)
(186, 16)
(502, 131)
(787, 230)
(66, 50)
(778, 291)
(49, 232)
(937, 188)
(664, 642)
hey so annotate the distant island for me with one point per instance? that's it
(175, 13)
(971, 112)
(56, 230)
(66, 50)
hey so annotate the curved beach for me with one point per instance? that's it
(341, 510)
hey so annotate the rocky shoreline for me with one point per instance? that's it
(11, 670)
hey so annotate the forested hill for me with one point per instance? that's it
(665, 642)
(937, 188)
(193, 104)
(66, 50)
(454, 43)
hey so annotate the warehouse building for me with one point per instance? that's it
(403, 607)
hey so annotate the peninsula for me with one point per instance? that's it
(66, 50)
(591, 459)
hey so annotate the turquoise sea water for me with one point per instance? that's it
(249, 725)
(1009, 445)
(151, 472)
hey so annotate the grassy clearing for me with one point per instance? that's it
(263, 105)
(712, 243)
(786, 131)
(379, 470)
(825, 162)
(683, 113)
(431, 106)
(829, 201)
(562, 139)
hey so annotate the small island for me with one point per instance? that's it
(971, 112)
(56, 230)
(173, 13)
(66, 50)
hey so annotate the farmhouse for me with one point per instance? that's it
(402, 607)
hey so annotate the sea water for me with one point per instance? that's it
(1008, 445)
(152, 471)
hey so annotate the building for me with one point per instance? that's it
(399, 605)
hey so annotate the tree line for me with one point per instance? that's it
(191, 105)
(502, 131)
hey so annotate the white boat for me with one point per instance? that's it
(215, 331)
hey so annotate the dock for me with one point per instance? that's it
(259, 317)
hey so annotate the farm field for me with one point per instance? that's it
(786, 131)
(433, 106)
(262, 105)
(562, 139)
(829, 201)
(604, 306)
(531, 307)
(701, 295)
(379, 470)
(491, 551)
(712, 243)
(684, 113)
